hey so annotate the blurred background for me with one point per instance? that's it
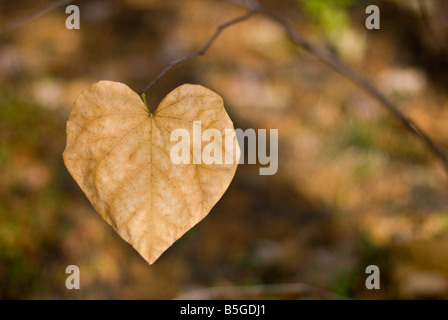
(353, 187)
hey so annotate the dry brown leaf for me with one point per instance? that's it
(119, 154)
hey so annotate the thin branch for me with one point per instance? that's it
(290, 290)
(201, 51)
(34, 15)
(331, 60)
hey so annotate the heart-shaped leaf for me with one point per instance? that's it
(119, 154)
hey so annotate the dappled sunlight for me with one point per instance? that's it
(353, 186)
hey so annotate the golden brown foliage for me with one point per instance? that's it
(119, 154)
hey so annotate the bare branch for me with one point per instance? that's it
(201, 51)
(331, 60)
(325, 56)
(34, 15)
(281, 290)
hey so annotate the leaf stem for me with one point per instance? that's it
(143, 96)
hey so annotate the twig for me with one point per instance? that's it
(331, 60)
(290, 290)
(34, 15)
(201, 51)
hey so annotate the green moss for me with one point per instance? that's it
(330, 15)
